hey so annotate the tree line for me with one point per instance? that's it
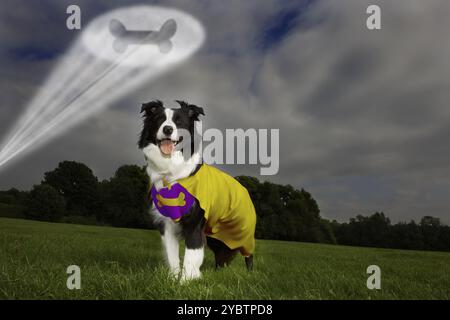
(71, 193)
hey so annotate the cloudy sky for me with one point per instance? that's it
(364, 116)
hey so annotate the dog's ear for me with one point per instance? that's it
(152, 107)
(192, 110)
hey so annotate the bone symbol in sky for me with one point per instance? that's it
(125, 37)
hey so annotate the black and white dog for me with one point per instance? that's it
(163, 145)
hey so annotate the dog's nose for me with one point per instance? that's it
(167, 130)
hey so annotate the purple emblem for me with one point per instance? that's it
(172, 201)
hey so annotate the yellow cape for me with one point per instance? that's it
(229, 212)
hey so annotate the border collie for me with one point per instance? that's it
(191, 200)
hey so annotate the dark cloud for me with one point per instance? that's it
(363, 115)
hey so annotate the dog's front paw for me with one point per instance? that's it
(190, 274)
(174, 273)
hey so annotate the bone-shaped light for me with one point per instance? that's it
(125, 37)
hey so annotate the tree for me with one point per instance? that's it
(431, 229)
(286, 213)
(406, 236)
(124, 198)
(372, 231)
(78, 185)
(45, 203)
(13, 196)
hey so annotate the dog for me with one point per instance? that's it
(189, 199)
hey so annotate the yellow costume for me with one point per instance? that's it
(229, 212)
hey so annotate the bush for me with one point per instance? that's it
(45, 203)
(12, 211)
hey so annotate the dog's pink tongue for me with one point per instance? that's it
(167, 147)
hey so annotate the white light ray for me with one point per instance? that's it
(92, 75)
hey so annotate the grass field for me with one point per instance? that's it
(127, 264)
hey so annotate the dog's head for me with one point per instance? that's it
(167, 130)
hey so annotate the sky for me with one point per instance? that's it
(363, 114)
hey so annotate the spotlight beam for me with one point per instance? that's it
(64, 108)
(65, 100)
(47, 101)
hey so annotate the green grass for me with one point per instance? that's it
(127, 264)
